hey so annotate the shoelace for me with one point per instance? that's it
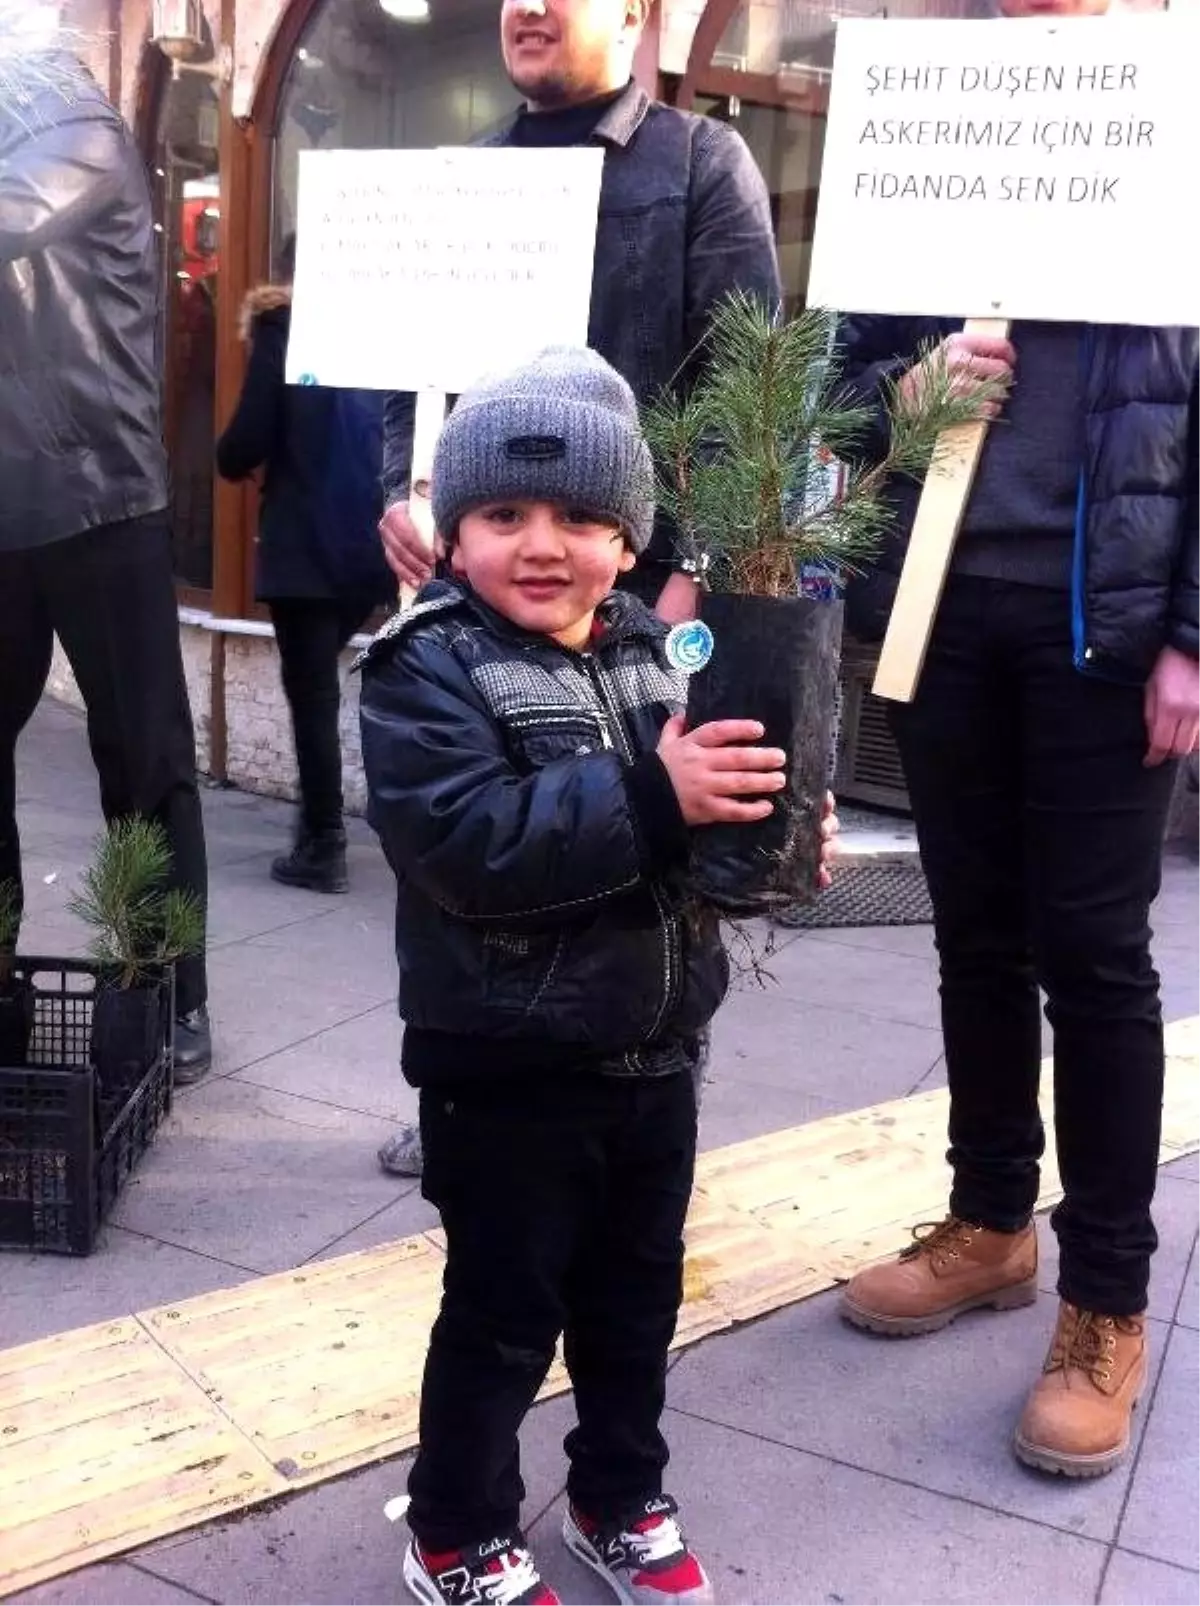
(938, 1239)
(516, 1576)
(1085, 1342)
(657, 1543)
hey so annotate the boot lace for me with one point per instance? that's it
(940, 1240)
(1084, 1342)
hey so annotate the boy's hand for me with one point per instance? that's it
(713, 771)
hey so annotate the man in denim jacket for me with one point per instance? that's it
(684, 219)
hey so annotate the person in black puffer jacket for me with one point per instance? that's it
(534, 790)
(1059, 692)
(319, 567)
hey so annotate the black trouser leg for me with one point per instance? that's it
(310, 634)
(1094, 823)
(960, 746)
(526, 1178)
(1088, 818)
(111, 596)
(26, 644)
(624, 1301)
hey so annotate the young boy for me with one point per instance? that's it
(534, 790)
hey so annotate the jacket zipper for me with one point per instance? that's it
(1082, 652)
(672, 948)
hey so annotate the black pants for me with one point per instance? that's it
(109, 596)
(563, 1200)
(1041, 837)
(311, 633)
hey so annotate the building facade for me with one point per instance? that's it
(224, 94)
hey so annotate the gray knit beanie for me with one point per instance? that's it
(564, 428)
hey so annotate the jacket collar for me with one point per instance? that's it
(624, 117)
(617, 127)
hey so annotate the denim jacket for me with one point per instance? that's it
(684, 219)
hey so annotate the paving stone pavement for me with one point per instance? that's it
(816, 1464)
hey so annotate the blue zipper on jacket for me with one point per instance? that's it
(1081, 651)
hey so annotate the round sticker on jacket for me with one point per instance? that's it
(689, 646)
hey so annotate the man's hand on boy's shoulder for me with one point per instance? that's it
(405, 549)
(718, 776)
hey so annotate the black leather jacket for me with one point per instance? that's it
(80, 434)
(539, 852)
(684, 219)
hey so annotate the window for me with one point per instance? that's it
(368, 80)
(769, 77)
(187, 215)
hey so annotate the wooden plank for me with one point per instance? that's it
(931, 546)
(125, 1453)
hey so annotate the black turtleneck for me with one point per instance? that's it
(567, 125)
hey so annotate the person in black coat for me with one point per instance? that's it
(85, 533)
(318, 568)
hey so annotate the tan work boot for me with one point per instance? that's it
(949, 1268)
(1076, 1421)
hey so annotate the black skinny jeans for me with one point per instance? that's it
(109, 595)
(563, 1200)
(1041, 838)
(311, 633)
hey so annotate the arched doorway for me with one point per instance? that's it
(337, 74)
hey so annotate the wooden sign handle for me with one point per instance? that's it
(931, 546)
(427, 426)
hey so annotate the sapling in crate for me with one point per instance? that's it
(141, 926)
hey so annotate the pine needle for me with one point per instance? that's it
(139, 924)
(737, 457)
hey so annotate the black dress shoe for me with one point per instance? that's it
(193, 1046)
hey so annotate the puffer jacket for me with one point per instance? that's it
(320, 450)
(1135, 571)
(539, 851)
(80, 430)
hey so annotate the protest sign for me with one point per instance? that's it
(421, 270)
(1012, 169)
(1030, 168)
(424, 270)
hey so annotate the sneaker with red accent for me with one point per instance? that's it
(643, 1558)
(501, 1572)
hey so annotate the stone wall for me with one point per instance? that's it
(259, 753)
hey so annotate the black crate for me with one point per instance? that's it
(65, 1147)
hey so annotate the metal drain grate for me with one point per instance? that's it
(891, 892)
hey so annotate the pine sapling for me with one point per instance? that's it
(736, 456)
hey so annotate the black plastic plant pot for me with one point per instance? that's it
(126, 1030)
(774, 660)
(16, 1021)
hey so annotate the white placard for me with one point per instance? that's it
(1013, 169)
(425, 269)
